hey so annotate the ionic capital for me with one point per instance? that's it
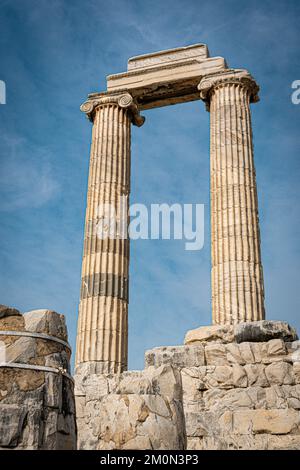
(124, 100)
(231, 76)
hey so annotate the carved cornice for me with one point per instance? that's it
(124, 100)
(230, 76)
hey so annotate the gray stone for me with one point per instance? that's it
(11, 423)
(46, 321)
(37, 409)
(216, 354)
(264, 330)
(177, 356)
(22, 350)
(280, 373)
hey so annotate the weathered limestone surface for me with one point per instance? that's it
(166, 77)
(37, 409)
(131, 410)
(239, 394)
(257, 331)
(213, 393)
(102, 323)
(237, 280)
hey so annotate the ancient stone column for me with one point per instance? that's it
(102, 325)
(237, 278)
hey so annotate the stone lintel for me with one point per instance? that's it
(255, 331)
(168, 56)
(168, 82)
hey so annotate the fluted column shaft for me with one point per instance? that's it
(237, 279)
(103, 311)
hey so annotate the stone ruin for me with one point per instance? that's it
(232, 385)
(37, 407)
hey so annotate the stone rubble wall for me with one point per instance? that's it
(37, 409)
(238, 394)
(130, 410)
(227, 387)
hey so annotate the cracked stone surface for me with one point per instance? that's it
(132, 410)
(216, 393)
(37, 409)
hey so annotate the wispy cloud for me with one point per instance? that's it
(27, 178)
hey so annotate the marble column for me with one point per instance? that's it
(102, 335)
(237, 278)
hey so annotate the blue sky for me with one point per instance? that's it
(53, 53)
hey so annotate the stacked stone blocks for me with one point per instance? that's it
(37, 409)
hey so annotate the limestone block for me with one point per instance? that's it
(130, 382)
(294, 403)
(264, 330)
(223, 333)
(192, 383)
(256, 375)
(128, 421)
(221, 354)
(162, 434)
(238, 396)
(37, 407)
(158, 79)
(221, 400)
(265, 421)
(10, 319)
(296, 370)
(276, 347)
(54, 391)
(216, 354)
(253, 353)
(290, 442)
(280, 373)
(134, 408)
(6, 311)
(244, 442)
(96, 386)
(234, 353)
(21, 349)
(292, 346)
(57, 359)
(194, 443)
(11, 424)
(157, 404)
(192, 386)
(239, 376)
(276, 397)
(80, 403)
(295, 355)
(219, 377)
(177, 356)
(169, 56)
(138, 442)
(46, 321)
(166, 381)
(201, 424)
